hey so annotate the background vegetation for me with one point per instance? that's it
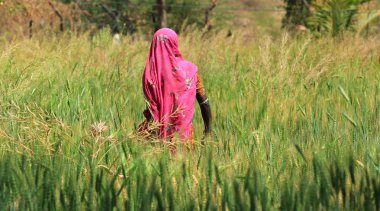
(320, 17)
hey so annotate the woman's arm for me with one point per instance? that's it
(204, 105)
(206, 112)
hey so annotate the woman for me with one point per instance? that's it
(171, 84)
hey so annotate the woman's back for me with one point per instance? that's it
(169, 85)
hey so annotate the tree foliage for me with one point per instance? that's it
(335, 16)
(323, 17)
(297, 12)
(129, 16)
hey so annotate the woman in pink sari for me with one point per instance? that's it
(171, 84)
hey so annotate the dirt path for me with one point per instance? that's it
(254, 16)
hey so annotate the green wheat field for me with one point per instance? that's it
(296, 125)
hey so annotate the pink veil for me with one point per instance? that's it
(169, 84)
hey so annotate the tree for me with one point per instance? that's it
(297, 13)
(335, 16)
(162, 22)
(129, 16)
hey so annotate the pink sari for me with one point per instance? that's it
(169, 85)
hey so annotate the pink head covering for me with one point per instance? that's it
(169, 85)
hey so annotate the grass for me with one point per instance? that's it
(296, 126)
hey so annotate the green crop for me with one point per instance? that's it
(296, 126)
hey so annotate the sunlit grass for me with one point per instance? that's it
(296, 125)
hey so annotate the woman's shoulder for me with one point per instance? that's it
(187, 64)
